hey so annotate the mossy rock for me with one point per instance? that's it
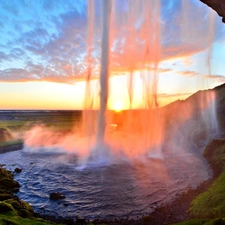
(22, 208)
(2, 190)
(7, 221)
(215, 154)
(5, 196)
(6, 207)
(24, 213)
(9, 183)
(5, 173)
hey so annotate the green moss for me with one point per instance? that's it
(215, 154)
(209, 207)
(11, 142)
(17, 220)
(5, 174)
(193, 222)
(14, 211)
(6, 207)
(217, 221)
(7, 123)
(23, 209)
(210, 204)
(8, 221)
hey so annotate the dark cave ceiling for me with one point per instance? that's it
(218, 6)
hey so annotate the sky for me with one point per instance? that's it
(168, 48)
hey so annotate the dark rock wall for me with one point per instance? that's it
(218, 6)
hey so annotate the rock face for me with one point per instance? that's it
(218, 6)
(4, 135)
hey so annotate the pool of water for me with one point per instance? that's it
(119, 188)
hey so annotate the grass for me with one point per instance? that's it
(208, 208)
(11, 218)
(203, 222)
(59, 123)
(9, 123)
(11, 142)
(210, 204)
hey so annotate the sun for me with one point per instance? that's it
(117, 106)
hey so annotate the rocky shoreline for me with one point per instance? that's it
(169, 213)
(10, 148)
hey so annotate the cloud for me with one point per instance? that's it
(165, 70)
(187, 73)
(219, 78)
(166, 95)
(47, 40)
(3, 56)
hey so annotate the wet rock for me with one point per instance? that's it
(56, 196)
(10, 183)
(5, 207)
(5, 173)
(18, 170)
(80, 220)
(5, 196)
(7, 183)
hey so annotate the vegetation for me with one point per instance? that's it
(210, 204)
(11, 218)
(11, 142)
(14, 211)
(203, 222)
(209, 207)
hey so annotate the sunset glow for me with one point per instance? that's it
(118, 106)
(45, 65)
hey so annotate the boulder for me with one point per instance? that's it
(5, 207)
(56, 196)
(7, 183)
(18, 170)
